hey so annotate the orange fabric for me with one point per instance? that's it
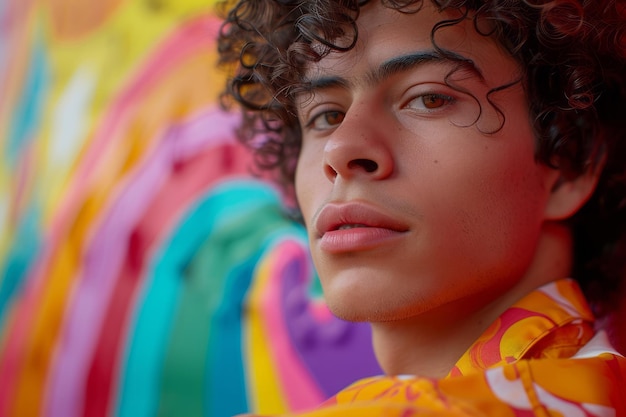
(540, 358)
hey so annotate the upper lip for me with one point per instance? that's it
(334, 215)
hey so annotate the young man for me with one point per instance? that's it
(459, 166)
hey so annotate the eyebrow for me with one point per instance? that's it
(397, 65)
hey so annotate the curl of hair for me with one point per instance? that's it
(573, 53)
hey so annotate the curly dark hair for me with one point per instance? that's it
(572, 52)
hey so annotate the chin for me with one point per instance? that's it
(348, 312)
(371, 309)
(360, 295)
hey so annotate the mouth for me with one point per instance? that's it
(354, 215)
(351, 226)
(356, 226)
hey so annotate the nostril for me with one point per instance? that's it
(367, 164)
(330, 172)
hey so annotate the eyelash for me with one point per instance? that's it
(448, 100)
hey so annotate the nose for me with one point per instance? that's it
(359, 148)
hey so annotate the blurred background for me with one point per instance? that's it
(143, 270)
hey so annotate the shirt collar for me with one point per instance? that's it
(552, 321)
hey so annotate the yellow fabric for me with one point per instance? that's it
(540, 358)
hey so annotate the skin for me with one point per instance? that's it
(425, 217)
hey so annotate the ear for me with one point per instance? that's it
(568, 195)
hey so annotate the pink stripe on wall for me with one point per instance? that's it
(305, 394)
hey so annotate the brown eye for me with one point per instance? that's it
(430, 102)
(334, 117)
(433, 101)
(327, 120)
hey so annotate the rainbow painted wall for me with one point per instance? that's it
(144, 271)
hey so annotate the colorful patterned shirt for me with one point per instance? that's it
(541, 357)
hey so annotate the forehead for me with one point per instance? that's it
(385, 34)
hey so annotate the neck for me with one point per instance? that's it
(444, 334)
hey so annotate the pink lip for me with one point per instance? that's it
(368, 229)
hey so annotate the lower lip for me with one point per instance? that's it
(357, 239)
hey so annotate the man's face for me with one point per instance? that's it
(416, 195)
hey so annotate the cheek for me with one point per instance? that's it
(301, 187)
(307, 182)
(501, 194)
(510, 204)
